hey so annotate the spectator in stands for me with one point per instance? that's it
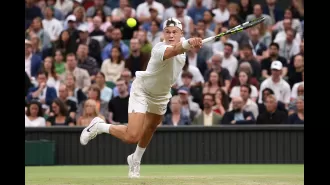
(221, 102)
(52, 25)
(153, 17)
(145, 44)
(246, 67)
(265, 34)
(273, 53)
(171, 10)
(224, 76)
(59, 62)
(248, 104)
(259, 49)
(98, 4)
(83, 80)
(201, 26)
(116, 36)
(99, 24)
(292, 105)
(274, 11)
(298, 116)
(209, 4)
(181, 15)
(36, 27)
(221, 11)
(295, 23)
(295, 74)
(106, 92)
(219, 46)
(244, 79)
(94, 93)
(257, 13)
(43, 93)
(242, 38)
(107, 37)
(49, 68)
(195, 89)
(262, 106)
(281, 35)
(209, 21)
(208, 117)
(61, 116)
(288, 47)
(87, 62)
(233, 9)
(118, 105)
(76, 3)
(57, 13)
(238, 115)
(197, 77)
(189, 108)
(154, 34)
(229, 61)
(80, 14)
(75, 94)
(94, 48)
(89, 113)
(213, 84)
(272, 115)
(126, 75)
(196, 11)
(247, 56)
(176, 117)
(118, 14)
(63, 94)
(65, 6)
(32, 61)
(114, 65)
(37, 47)
(34, 115)
(31, 11)
(137, 61)
(65, 43)
(295, 91)
(143, 15)
(280, 87)
(245, 9)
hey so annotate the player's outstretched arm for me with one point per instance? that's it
(181, 47)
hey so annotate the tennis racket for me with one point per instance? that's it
(236, 29)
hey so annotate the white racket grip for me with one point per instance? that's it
(208, 40)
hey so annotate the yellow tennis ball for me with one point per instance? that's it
(131, 22)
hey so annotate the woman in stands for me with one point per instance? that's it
(243, 79)
(221, 102)
(90, 111)
(176, 118)
(213, 84)
(34, 115)
(61, 115)
(114, 65)
(49, 67)
(298, 116)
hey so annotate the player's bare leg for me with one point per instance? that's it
(149, 127)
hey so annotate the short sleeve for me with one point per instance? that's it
(158, 51)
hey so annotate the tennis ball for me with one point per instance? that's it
(131, 22)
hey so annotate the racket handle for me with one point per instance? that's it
(208, 40)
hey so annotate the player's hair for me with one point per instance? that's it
(34, 102)
(275, 45)
(247, 86)
(63, 108)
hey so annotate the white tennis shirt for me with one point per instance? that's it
(161, 74)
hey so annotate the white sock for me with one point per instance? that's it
(138, 153)
(104, 128)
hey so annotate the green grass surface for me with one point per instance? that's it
(167, 175)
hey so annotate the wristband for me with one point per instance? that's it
(186, 45)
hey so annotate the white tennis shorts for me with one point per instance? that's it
(142, 102)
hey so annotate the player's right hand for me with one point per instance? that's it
(195, 42)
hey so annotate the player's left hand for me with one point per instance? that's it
(195, 42)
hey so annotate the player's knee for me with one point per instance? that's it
(132, 138)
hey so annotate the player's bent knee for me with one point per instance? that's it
(132, 139)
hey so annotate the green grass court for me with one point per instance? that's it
(167, 175)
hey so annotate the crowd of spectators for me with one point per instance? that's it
(81, 58)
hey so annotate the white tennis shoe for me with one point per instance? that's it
(91, 131)
(133, 167)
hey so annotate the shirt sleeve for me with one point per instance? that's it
(159, 50)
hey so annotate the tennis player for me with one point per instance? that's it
(150, 94)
